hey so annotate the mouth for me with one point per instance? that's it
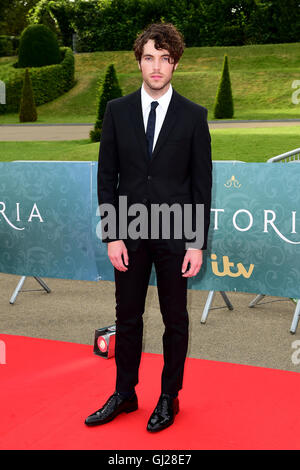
(156, 77)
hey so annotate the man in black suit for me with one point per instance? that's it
(155, 149)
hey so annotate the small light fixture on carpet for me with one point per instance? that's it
(104, 344)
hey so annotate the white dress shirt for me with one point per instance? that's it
(161, 110)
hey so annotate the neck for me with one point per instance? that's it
(155, 94)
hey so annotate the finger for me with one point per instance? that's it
(117, 262)
(121, 263)
(187, 273)
(184, 264)
(120, 266)
(188, 267)
(194, 269)
(125, 257)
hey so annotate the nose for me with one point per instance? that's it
(156, 64)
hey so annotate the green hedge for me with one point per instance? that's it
(38, 47)
(8, 45)
(48, 82)
(107, 25)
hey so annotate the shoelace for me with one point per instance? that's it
(162, 406)
(105, 410)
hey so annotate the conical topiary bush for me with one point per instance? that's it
(224, 102)
(109, 90)
(28, 111)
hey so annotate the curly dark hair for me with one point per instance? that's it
(165, 36)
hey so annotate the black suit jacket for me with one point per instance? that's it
(180, 170)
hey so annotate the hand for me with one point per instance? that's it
(115, 251)
(194, 257)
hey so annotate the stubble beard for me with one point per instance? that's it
(157, 87)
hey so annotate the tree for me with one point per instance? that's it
(57, 15)
(13, 15)
(28, 111)
(38, 47)
(110, 90)
(282, 20)
(224, 102)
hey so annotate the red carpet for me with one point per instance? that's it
(49, 387)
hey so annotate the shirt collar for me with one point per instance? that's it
(163, 101)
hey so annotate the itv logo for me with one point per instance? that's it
(227, 265)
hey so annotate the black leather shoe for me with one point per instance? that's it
(115, 405)
(164, 413)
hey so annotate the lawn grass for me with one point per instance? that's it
(253, 144)
(68, 150)
(250, 145)
(261, 76)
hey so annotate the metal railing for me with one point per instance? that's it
(292, 156)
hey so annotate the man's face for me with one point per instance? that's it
(155, 66)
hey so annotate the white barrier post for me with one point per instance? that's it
(2, 352)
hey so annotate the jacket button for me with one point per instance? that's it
(149, 177)
(145, 200)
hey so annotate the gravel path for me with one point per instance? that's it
(30, 132)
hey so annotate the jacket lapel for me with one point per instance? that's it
(136, 115)
(168, 123)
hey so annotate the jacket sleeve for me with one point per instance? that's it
(108, 176)
(201, 178)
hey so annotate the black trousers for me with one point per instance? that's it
(131, 290)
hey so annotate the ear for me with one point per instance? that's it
(139, 64)
(175, 66)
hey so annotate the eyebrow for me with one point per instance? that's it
(151, 55)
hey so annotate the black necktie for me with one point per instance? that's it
(151, 127)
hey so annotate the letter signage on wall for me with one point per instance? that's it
(50, 226)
